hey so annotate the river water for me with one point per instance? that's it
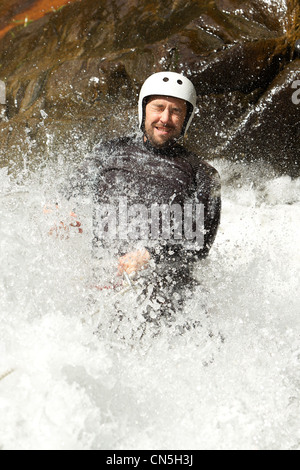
(230, 382)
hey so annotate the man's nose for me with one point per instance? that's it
(165, 116)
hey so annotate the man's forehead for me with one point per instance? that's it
(170, 99)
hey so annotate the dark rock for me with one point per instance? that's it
(270, 130)
(297, 48)
(76, 73)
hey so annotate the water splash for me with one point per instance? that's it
(224, 375)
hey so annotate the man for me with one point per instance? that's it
(155, 171)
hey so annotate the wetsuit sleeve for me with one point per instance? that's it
(209, 194)
(83, 180)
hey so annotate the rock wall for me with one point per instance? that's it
(74, 74)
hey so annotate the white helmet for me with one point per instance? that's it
(170, 84)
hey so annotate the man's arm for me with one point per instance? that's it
(79, 183)
(209, 194)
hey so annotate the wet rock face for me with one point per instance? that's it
(270, 130)
(297, 48)
(76, 72)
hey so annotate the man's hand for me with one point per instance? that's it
(62, 229)
(134, 261)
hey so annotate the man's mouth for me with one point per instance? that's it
(163, 130)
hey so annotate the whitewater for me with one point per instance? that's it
(70, 378)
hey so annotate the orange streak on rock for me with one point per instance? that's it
(39, 9)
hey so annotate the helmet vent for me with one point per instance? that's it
(180, 82)
(165, 79)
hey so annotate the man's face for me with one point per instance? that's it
(164, 120)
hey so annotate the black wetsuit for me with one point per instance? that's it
(128, 167)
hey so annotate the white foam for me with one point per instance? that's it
(230, 383)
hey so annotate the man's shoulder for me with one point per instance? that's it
(199, 164)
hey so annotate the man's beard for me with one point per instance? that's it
(161, 145)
